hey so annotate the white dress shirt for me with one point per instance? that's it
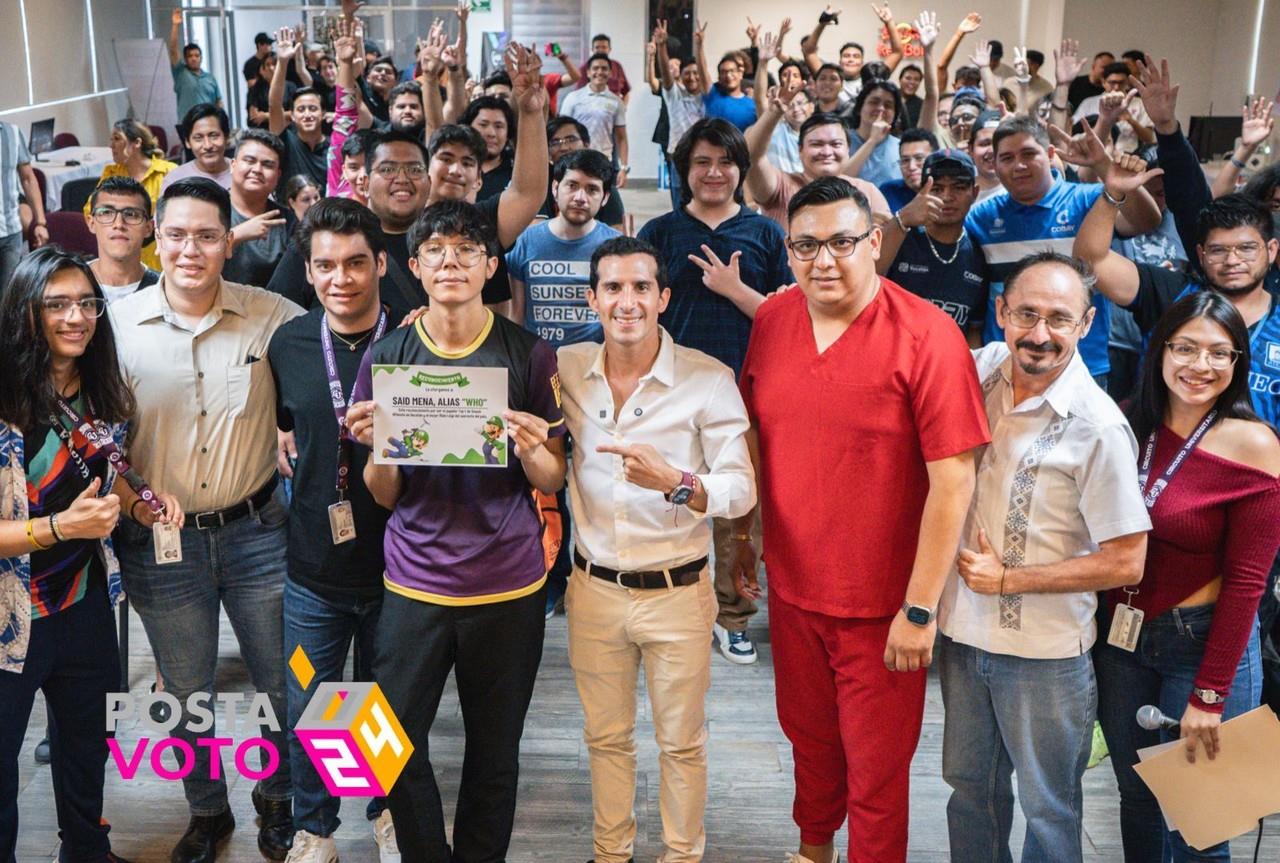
(1059, 477)
(689, 409)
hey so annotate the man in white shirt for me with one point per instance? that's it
(602, 112)
(660, 449)
(120, 221)
(1056, 517)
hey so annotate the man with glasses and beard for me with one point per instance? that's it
(567, 135)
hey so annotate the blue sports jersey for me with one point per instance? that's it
(1008, 231)
(1264, 360)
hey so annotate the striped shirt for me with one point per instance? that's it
(683, 110)
(1008, 231)
(13, 152)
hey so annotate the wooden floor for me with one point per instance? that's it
(749, 809)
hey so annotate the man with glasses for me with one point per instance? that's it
(120, 220)
(567, 135)
(193, 348)
(465, 566)
(851, 611)
(1057, 516)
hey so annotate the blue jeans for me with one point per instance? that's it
(676, 183)
(240, 566)
(1161, 671)
(1005, 715)
(323, 627)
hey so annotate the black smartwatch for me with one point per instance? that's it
(683, 493)
(918, 614)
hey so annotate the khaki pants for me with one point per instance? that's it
(611, 630)
(735, 610)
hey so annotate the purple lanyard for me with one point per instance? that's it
(102, 440)
(340, 402)
(1151, 495)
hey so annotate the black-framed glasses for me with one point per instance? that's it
(1185, 354)
(840, 246)
(90, 307)
(466, 254)
(1026, 319)
(105, 215)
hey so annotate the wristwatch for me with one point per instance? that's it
(918, 614)
(624, 169)
(1208, 696)
(683, 493)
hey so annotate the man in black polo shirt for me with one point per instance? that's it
(926, 249)
(334, 588)
(301, 130)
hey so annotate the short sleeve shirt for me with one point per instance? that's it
(254, 261)
(683, 110)
(697, 317)
(845, 436)
(556, 274)
(13, 152)
(739, 110)
(192, 89)
(599, 112)
(469, 535)
(882, 166)
(302, 158)
(959, 288)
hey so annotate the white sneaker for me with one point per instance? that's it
(736, 647)
(310, 848)
(384, 833)
(800, 858)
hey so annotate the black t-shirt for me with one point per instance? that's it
(301, 158)
(495, 181)
(254, 261)
(1082, 88)
(304, 406)
(1158, 288)
(258, 97)
(958, 288)
(611, 212)
(914, 104)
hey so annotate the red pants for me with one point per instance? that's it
(853, 727)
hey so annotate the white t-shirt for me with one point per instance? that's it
(118, 292)
(599, 112)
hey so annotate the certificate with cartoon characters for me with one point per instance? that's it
(440, 415)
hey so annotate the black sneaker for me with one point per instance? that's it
(275, 826)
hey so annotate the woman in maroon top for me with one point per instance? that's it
(1209, 471)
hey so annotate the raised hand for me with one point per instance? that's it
(699, 33)
(923, 208)
(1021, 71)
(783, 29)
(927, 26)
(650, 50)
(431, 50)
(1127, 173)
(350, 7)
(175, 17)
(1067, 62)
(981, 55)
(286, 47)
(1113, 106)
(753, 32)
(970, 23)
(769, 47)
(884, 13)
(1084, 150)
(1259, 122)
(784, 94)
(525, 69)
(1158, 92)
(463, 10)
(345, 43)
(660, 32)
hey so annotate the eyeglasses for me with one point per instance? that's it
(566, 140)
(917, 159)
(176, 241)
(466, 254)
(840, 246)
(412, 170)
(1185, 354)
(105, 215)
(1025, 319)
(90, 307)
(1247, 252)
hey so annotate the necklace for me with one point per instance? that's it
(946, 262)
(351, 346)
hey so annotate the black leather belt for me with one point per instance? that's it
(679, 576)
(221, 517)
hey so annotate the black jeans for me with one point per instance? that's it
(74, 659)
(494, 651)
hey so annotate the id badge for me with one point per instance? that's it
(168, 542)
(342, 522)
(1126, 624)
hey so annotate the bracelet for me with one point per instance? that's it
(53, 528)
(1057, 107)
(136, 501)
(1238, 163)
(1112, 201)
(897, 218)
(740, 537)
(31, 537)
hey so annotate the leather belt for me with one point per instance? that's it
(654, 579)
(221, 517)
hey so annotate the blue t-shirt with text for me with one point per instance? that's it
(556, 274)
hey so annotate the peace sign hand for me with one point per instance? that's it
(723, 279)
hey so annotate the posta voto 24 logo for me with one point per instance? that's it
(348, 730)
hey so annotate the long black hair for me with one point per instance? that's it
(1147, 408)
(27, 395)
(899, 106)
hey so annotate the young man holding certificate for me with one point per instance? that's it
(465, 567)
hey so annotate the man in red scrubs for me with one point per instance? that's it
(865, 412)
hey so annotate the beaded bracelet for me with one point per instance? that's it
(53, 529)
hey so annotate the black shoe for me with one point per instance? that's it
(275, 826)
(42, 751)
(200, 843)
(112, 858)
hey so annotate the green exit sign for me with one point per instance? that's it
(481, 5)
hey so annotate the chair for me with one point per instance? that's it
(70, 232)
(65, 139)
(76, 192)
(162, 137)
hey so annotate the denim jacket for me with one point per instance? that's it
(15, 572)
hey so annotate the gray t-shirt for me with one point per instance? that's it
(254, 262)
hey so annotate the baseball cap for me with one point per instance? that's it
(972, 92)
(948, 163)
(263, 39)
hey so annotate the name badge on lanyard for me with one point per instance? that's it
(1126, 621)
(342, 519)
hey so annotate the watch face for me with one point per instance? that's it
(681, 495)
(918, 616)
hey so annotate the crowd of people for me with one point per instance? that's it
(1012, 312)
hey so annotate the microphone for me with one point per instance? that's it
(1150, 718)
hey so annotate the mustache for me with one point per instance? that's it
(1043, 347)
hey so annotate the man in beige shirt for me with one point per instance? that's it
(193, 349)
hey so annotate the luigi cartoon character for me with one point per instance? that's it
(410, 444)
(494, 444)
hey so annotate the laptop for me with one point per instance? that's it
(41, 140)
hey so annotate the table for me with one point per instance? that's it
(57, 173)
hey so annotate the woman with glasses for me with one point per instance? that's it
(1208, 468)
(63, 410)
(137, 154)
